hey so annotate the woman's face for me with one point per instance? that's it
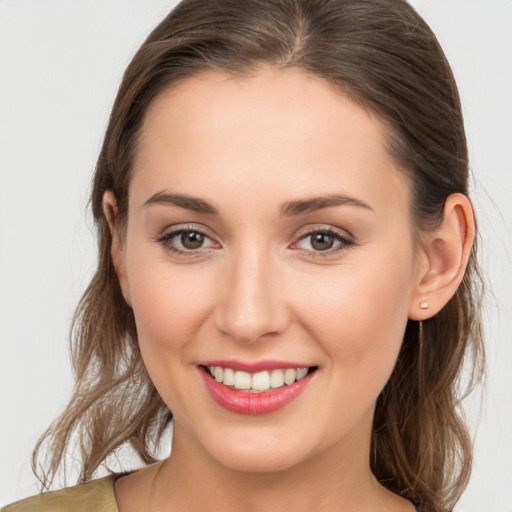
(268, 230)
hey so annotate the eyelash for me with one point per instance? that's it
(344, 242)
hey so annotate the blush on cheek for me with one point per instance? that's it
(357, 319)
(169, 308)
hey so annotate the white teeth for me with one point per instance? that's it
(243, 380)
(276, 378)
(257, 382)
(289, 376)
(229, 377)
(261, 381)
(301, 373)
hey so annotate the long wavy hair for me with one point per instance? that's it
(384, 56)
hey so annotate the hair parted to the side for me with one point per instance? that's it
(381, 54)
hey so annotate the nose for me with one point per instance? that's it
(252, 305)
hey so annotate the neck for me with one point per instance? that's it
(336, 479)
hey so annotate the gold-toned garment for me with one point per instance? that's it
(95, 496)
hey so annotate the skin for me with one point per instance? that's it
(255, 290)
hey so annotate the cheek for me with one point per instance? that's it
(170, 306)
(358, 313)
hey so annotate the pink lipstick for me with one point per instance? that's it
(274, 385)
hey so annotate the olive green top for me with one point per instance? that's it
(95, 496)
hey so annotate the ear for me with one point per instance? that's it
(116, 251)
(443, 259)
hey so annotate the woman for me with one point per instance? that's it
(287, 263)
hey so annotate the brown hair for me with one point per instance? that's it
(381, 54)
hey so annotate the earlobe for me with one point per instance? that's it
(110, 211)
(445, 255)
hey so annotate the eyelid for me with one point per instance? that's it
(176, 228)
(325, 228)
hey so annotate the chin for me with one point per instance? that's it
(262, 462)
(267, 455)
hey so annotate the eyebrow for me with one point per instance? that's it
(288, 209)
(318, 203)
(184, 201)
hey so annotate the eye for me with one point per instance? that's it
(184, 241)
(323, 242)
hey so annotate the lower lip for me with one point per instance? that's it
(265, 402)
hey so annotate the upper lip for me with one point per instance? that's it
(254, 366)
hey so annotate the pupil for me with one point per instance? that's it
(192, 240)
(322, 241)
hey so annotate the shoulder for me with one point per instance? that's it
(97, 495)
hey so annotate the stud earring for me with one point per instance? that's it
(423, 305)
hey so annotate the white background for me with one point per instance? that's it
(60, 65)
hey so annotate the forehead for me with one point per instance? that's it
(283, 130)
(285, 101)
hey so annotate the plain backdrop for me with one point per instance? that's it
(60, 65)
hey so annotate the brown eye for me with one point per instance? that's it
(321, 241)
(186, 242)
(192, 239)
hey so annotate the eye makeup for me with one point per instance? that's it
(189, 241)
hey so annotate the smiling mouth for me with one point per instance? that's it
(258, 382)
